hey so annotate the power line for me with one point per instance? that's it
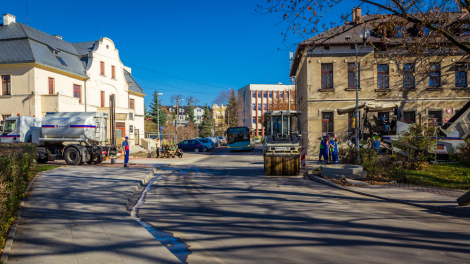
(175, 76)
(178, 89)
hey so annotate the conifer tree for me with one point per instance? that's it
(232, 110)
(153, 111)
(206, 127)
(191, 117)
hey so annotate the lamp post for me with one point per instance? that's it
(364, 34)
(158, 119)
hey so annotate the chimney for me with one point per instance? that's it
(8, 19)
(57, 36)
(356, 15)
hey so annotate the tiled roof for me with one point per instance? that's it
(352, 30)
(20, 43)
(84, 47)
(134, 86)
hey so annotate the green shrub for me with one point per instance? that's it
(462, 153)
(16, 161)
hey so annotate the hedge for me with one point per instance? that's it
(16, 161)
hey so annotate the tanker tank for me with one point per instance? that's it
(76, 126)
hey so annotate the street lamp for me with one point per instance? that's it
(364, 34)
(158, 120)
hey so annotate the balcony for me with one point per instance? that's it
(60, 103)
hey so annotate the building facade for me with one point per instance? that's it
(255, 99)
(218, 118)
(42, 73)
(427, 90)
(182, 114)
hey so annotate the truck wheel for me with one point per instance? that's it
(72, 156)
(98, 160)
(43, 160)
(90, 161)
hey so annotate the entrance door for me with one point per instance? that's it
(434, 118)
(136, 136)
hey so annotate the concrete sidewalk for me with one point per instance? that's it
(78, 215)
(431, 198)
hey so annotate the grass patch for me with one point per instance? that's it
(451, 176)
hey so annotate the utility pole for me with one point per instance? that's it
(158, 118)
(177, 118)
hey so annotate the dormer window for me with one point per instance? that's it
(61, 60)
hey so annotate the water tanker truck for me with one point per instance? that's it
(76, 137)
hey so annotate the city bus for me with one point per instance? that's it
(239, 138)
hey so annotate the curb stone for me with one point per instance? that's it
(11, 235)
(144, 182)
(455, 211)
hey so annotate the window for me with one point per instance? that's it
(352, 82)
(409, 117)
(254, 106)
(102, 98)
(270, 94)
(264, 94)
(434, 118)
(259, 94)
(327, 123)
(101, 68)
(77, 92)
(399, 31)
(435, 75)
(382, 76)
(460, 75)
(409, 76)
(113, 72)
(265, 107)
(199, 110)
(51, 85)
(253, 94)
(259, 106)
(5, 117)
(327, 76)
(281, 94)
(61, 61)
(254, 120)
(120, 129)
(351, 121)
(181, 117)
(6, 85)
(132, 104)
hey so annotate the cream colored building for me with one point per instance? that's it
(325, 82)
(218, 118)
(42, 73)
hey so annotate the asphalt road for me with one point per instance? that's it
(223, 209)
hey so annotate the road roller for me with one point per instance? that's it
(282, 142)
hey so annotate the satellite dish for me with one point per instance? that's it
(364, 34)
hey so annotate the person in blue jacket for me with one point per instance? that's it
(377, 143)
(334, 145)
(125, 145)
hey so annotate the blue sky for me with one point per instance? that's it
(224, 44)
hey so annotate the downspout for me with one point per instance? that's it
(86, 80)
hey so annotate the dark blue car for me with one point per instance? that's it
(191, 145)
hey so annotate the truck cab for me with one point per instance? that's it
(19, 129)
(10, 131)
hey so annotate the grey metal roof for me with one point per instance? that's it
(84, 47)
(15, 51)
(134, 86)
(20, 43)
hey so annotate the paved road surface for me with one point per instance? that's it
(226, 211)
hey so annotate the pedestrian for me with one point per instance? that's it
(125, 145)
(158, 145)
(377, 143)
(179, 153)
(324, 148)
(334, 150)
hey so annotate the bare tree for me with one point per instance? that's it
(192, 100)
(223, 97)
(438, 22)
(176, 98)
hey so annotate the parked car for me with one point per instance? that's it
(216, 143)
(191, 145)
(207, 143)
(223, 141)
(257, 141)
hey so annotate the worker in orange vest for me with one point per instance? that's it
(125, 145)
